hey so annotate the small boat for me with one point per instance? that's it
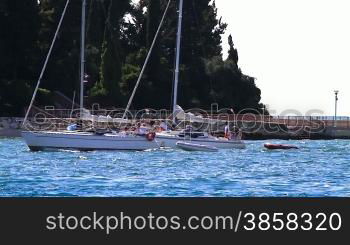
(187, 146)
(279, 146)
(170, 138)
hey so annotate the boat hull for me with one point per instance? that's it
(279, 146)
(86, 141)
(189, 146)
(171, 140)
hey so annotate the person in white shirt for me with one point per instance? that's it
(227, 131)
(141, 129)
(164, 126)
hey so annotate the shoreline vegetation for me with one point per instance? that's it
(119, 34)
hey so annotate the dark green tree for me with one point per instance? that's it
(19, 25)
(232, 53)
(118, 36)
(107, 90)
(201, 40)
(62, 73)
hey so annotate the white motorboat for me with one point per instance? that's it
(170, 138)
(85, 141)
(189, 146)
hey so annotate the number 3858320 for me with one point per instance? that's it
(292, 221)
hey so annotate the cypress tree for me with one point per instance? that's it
(232, 53)
(107, 90)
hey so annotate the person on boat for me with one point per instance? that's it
(72, 127)
(141, 129)
(237, 134)
(240, 134)
(188, 129)
(156, 127)
(79, 125)
(125, 130)
(164, 126)
(228, 134)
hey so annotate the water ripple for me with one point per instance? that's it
(319, 168)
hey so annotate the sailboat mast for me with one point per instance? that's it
(178, 47)
(82, 56)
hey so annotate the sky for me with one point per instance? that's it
(298, 50)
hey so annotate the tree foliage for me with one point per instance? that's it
(19, 25)
(119, 34)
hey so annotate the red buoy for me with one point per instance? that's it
(279, 146)
(150, 136)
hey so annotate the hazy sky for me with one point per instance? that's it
(299, 50)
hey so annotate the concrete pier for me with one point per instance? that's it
(254, 127)
(338, 132)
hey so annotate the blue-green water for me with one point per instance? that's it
(319, 168)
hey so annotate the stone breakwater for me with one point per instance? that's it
(257, 130)
(10, 126)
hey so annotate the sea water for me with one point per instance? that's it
(317, 169)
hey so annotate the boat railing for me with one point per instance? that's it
(65, 117)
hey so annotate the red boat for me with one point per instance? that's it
(279, 146)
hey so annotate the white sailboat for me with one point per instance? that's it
(42, 140)
(84, 141)
(174, 138)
